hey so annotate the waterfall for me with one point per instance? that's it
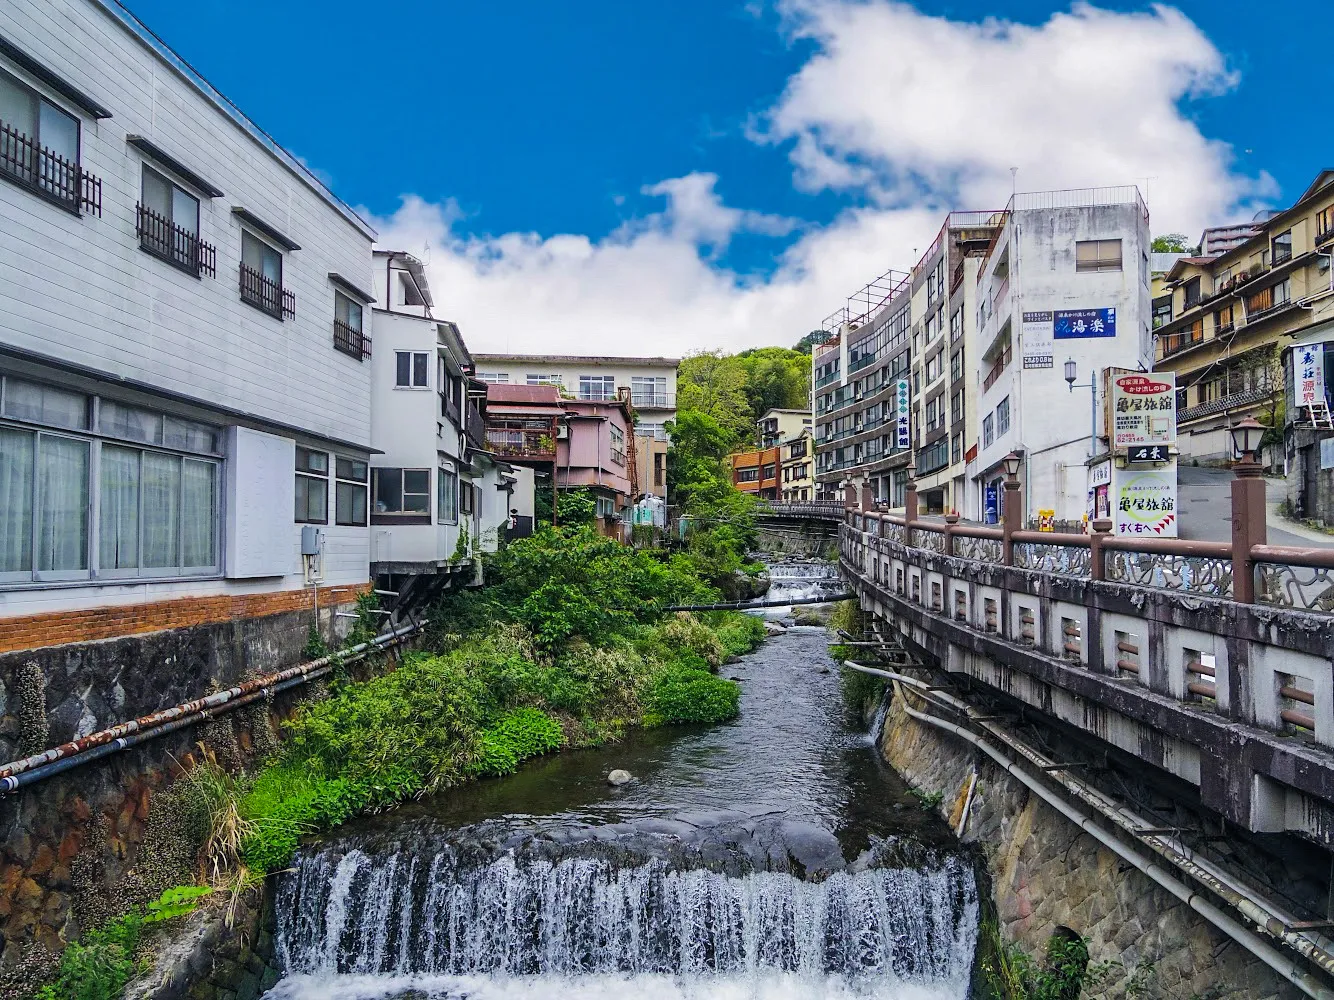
(798, 581)
(400, 915)
(881, 712)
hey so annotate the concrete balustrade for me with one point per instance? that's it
(1235, 698)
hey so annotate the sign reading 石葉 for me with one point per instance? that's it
(1308, 362)
(1151, 454)
(1076, 324)
(903, 436)
(1035, 333)
(1144, 410)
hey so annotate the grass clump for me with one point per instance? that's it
(519, 735)
(688, 694)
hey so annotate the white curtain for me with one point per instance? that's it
(62, 504)
(119, 521)
(162, 510)
(198, 481)
(16, 476)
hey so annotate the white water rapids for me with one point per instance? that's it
(402, 925)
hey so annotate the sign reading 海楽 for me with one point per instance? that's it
(1078, 324)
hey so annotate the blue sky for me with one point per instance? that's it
(528, 117)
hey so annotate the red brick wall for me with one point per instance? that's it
(60, 627)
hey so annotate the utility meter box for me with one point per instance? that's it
(310, 540)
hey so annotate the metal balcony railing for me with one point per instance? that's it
(47, 173)
(351, 342)
(266, 295)
(177, 246)
(520, 443)
(1001, 364)
(653, 400)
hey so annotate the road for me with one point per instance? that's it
(1204, 501)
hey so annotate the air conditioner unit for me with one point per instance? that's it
(562, 432)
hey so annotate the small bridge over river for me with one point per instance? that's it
(1178, 697)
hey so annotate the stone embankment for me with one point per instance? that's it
(1047, 873)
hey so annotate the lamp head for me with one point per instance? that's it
(1246, 436)
(1011, 464)
(1070, 373)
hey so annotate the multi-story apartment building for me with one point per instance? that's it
(861, 382)
(1222, 322)
(185, 409)
(1066, 279)
(438, 495)
(797, 462)
(651, 383)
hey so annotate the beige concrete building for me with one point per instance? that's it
(796, 457)
(1223, 322)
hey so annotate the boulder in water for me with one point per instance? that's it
(619, 777)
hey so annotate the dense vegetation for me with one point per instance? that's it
(736, 389)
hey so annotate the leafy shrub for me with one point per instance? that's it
(286, 802)
(738, 633)
(682, 694)
(860, 690)
(101, 962)
(522, 733)
(684, 631)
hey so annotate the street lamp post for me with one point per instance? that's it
(1010, 520)
(1248, 507)
(1092, 386)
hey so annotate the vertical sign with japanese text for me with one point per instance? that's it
(1036, 332)
(1143, 410)
(1309, 373)
(903, 415)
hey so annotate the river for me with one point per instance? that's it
(774, 857)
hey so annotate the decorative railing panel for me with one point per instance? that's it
(933, 541)
(1066, 560)
(979, 549)
(1305, 588)
(1204, 575)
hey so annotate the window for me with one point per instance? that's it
(168, 225)
(646, 391)
(312, 486)
(465, 497)
(262, 277)
(402, 491)
(617, 444)
(956, 325)
(1266, 299)
(988, 431)
(606, 507)
(447, 496)
(597, 387)
(408, 292)
(956, 449)
(956, 406)
(751, 475)
(1282, 247)
(1003, 415)
(1192, 298)
(348, 336)
(494, 378)
(934, 417)
(350, 491)
(410, 369)
(1098, 255)
(1162, 311)
(555, 380)
(39, 148)
(767, 472)
(956, 365)
(934, 365)
(1324, 221)
(156, 511)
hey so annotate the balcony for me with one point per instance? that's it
(1245, 397)
(266, 295)
(353, 343)
(1324, 236)
(474, 427)
(652, 400)
(824, 380)
(178, 247)
(1174, 343)
(532, 444)
(47, 173)
(1001, 364)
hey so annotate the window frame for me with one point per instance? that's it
(445, 476)
(377, 472)
(38, 100)
(607, 382)
(340, 480)
(310, 475)
(1274, 244)
(1100, 263)
(412, 382)
(1003, 416)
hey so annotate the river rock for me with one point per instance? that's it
(619, 777)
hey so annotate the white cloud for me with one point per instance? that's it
(912, 114)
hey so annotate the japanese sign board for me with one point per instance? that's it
(1308, 362)
(1036, 333)
(1078, 324)
(1100, 474)
(902, 414)
(1144, 410)
(1141, 454)
(1146, 504)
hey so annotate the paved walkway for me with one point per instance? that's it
(1204, 500)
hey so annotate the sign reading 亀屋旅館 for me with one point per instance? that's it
(1146, 504)
(1076, 324)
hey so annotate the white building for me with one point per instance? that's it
(181, 333)
(1066, 279)
(437, 496)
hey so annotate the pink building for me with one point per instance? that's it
(584, 443)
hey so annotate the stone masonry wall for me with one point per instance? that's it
(69, 846)
(1046, 873)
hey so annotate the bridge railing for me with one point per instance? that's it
(1282, 576)
(822, 510)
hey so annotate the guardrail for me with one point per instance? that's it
(820, 510)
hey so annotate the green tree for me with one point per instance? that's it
(715, 384)
(1171, 243)
(808, 342)
(776, 377)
